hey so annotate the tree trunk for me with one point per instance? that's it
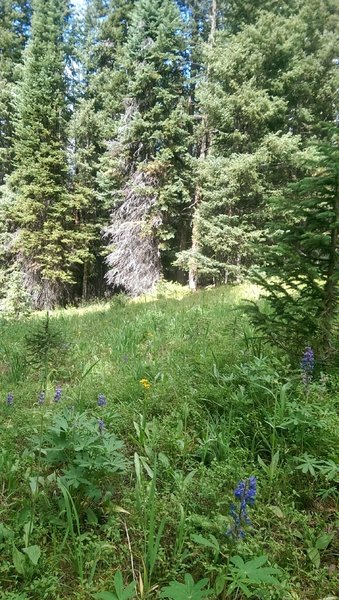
(85, 282)
(331, 286)
(205, 143)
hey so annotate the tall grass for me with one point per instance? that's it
(219, 406)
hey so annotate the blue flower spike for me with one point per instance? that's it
(10, 399)
(102, 400)
(245, 494)
(58, 394)
(307, 365)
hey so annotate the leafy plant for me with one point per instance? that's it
(248, 577)
(45, 347)
(152, 536)
(315, 545)
(75, 533)
(23, 560)
(84, 457)
(189, 590)
(309, 465)
(120, 591)
(210, 542)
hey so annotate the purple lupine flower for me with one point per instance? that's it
(245, 493)
(102, 400)
(239, 490)
(58, 394)
(101, 425)
(307, 365)
(251, 490)
(41, 398)
(10, 399)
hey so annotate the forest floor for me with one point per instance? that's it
(127, 427)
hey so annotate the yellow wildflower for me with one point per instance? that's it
(145, 383)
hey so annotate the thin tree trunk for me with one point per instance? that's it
(85, 282)
(331, 286)
(193, 267)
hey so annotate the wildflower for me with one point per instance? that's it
(10, 399)
(41, 398)
(251, 490)
(307, 365)
(58, 394)
(145, 383)
(101, 425)
(102, 400)
(245, 493)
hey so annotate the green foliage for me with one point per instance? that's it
(315, 545)
(14, 20)
(216, 404)
(258, 113)
(73, 524)
(85, 459)
(301, 261)
(146, 171)
(120, 591)
(42, 213)
(46, 347)
(249, 577)
(186, 591)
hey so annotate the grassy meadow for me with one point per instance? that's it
(126, 429)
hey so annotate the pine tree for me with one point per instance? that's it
(97, 108)
(14, 25)
(146, 170)
(301, 254)
(262, 100)
(14, 22)
(42, 212)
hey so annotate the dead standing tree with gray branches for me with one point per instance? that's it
(135, 260)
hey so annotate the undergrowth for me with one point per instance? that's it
(125, 438)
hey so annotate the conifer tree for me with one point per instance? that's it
(98, 106)
(14, 26)
(301, 260)
(42, 212)
(14, 22)
(267, 89)
(146, 169)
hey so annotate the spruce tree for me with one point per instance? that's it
(42, 213)
(267, 89)
(14, 27)
(14, 23)
(146, 169)
(301, 260)
(96, 111)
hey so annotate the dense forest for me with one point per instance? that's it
(142, 139)
(169, 299)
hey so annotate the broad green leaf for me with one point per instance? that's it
(220, 583)
(256, 563)
(186, 591)
(314, 556)
(324, 540)
(33, 553)
(18, 561)
(122, 592)
(277, 511)
(237, 561)
(208, 543)
(91, 517)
